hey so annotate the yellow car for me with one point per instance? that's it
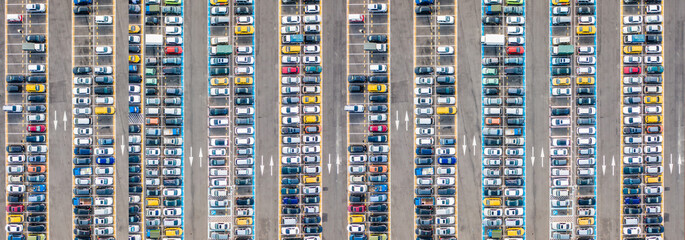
(311, 99)
(632, 49)
(585, 80)
(653, 119)
(492, 202)
(561, 81)
(15, 218)
(104, 110)
(446, 110)
(311, 179)
(586, 30)
(357, 218)
(152, 201)
(133, 28)
(243, 80)
(515, 232)
(515, 2)
(243, 221)
(244, 30)
(173, 2)
(35, 88)
(653, 99)
(586, 221)
(311, 119)
(219, 81)
(377, 88)
(173, 232)
(651, 179)
(291, 49)
(219, 2)
(560, 2)
(133, 58)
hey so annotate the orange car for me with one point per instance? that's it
(152, 121)
(493, 121)
(378, 168)
(36, 168)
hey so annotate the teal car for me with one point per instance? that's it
(490, 81)
(489, 71)
(655, 69)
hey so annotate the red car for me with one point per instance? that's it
(518, 50)
(36, 128)
(357, 208)
(653, 129)
(290, 70)
(15, 208)
(378, 128)
(174, 50)
(632, 70)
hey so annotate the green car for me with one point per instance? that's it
(561, 71)
(290, 190)
(379, 237)
(515, 2)
(313, 69)
(655, 69)
(174, 2)
(489, 71)
(490, 81)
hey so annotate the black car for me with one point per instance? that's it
(151, 20)
(82, 221)
(378, 228)
(172, 182)
(15, 148)
(312, 38)
(14, 198)
(585, 10)
(243, 181)
(446, 191)
(516, 121)
(513, 70)
(490, 91)
(445, 80)
(81, 70)
(352, 148)
(355, 88)
(36, 79)
(134, 49)
(378, 108)
(378, 98)
(424, 191)
(133, 8)
(492, 141)
(104, 79)
(423, 70)
(218, 111)
(36, 98)
(243, 90)
(378, 79)
(35, 38)
(356, 78)
(79, 10)
(290, 210)
(173, 121)
(311, 219)
(585, 90)
(36, 207)
(81, 191)
(492, 192)
(378, 208)
(243, 10)
(14, 88)
(561, 111)
(36, 228)
(244, 201)
(492, 20)
(244, 121)
(217, 162)
(444, 90)
(424, 221)
(82, 232)
(103, 90)
(586, 100)
(423, 10)
(377, 38)
(104, 191)
(172, 70)
(14, 79)
(654, 39)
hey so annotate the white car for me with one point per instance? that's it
(290, 230)
(291, 19)
(219, 91)
(14, 228)
(446, 20)
(311, 59)
(103, 50)
(244, 70)
(311, 8)
(83, 131)
(445, 50)
(82, 111)
(632, 29)
(172, 192)
(356, 228)
(587, 20)
(312, 49)
(309, 19)
(81, 91)
(244, 20)
(632, 19)
(290, 29)
(632, 230)
(585, 70)
(357, 188)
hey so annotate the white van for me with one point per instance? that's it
(219, 40)
(288, 221)
(102, 211)
(424, 121)
(445, 211)
(152, 111)
(356, 18)
(14, 18)
(81, 121)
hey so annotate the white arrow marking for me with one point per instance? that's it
(463, 146)
(542, 157)
(337, 164)
(191, 156)
(55, 121)
(261, 167)
(271, 165)
(64, 121)
(604, 165)
(680, 163)
(122, 143)
(670, 165)
(613, 165)
(532, 158)
(406, 121)
(474, 145)
(397, 119)
(200, 157)
(329, 163)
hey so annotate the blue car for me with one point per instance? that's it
(358, 237)
(423, 171)
(380, 188)
(83, 171)
(134, 109)
(448, 141)
(418, 2)
(105, 141)
(447, 160)
(38, 188)
(37, 198)
(105, 160)
(378, 198)
(82, 151)
(290, 200)
(21, 237)
(86, 2)
(631, 200)
(36, 178)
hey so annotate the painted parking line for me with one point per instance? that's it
(435, 190)
(642, 114)
(573, 168)
(26, 132)
(503, 146)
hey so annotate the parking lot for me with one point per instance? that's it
(435, 107)
(135, 119)
(642, 120)
(573, 124)
(26, 64)
(300, 95)
(231, 123)
(503, 118)
(93, 108)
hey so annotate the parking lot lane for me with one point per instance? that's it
(267, 39)
(537, 109)
(59, 36)
(195, 121)
(401, 66)
(120, 46)
(334, 129)
(468, 97)
(608, 100)
(674, 37)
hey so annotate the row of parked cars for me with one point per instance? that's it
(642, 119)
(93, 108)
(368, 151)
(26, 147)
(231, 168)
(156, 98)
(435, 162)
(503, 126)
(300, 116)
(573, 139)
